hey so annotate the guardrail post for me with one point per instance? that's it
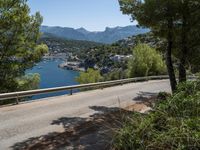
(17, 100)
(71, 92)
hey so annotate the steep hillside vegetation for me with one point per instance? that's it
(101, 55)
(59, 45)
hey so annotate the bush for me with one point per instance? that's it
(28, 82)
(173, 124)
(146, 61)
(24, 83)
(90, 76)
(116, 75)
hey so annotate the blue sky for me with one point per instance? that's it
(94, 15)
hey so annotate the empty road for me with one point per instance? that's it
(20, 122)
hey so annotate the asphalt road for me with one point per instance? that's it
(21, 122)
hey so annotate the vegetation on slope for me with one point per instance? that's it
(77, 47)
(101, 55)
(145, 61)
(173, 124)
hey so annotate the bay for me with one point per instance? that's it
(52, 76)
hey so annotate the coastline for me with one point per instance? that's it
(71, 66)
(67, 65)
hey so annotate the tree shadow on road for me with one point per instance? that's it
(90, 133)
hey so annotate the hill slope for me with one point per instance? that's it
(60, 45)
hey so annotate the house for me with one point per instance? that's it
(118, 58)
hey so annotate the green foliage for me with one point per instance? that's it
(19, 33)
(148, 38)
(101, 56)
(90, 76)
(161, 17)
(146, 61)
(153, 14)
(76, 47)
(39, 51)
(24, 83)
(116, 75)
(173, 124)
(28, 82)
(175, 21)
(163, 95)
(186, 99)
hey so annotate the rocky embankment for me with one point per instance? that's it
(71, 66)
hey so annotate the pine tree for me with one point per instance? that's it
(19, 33)
(160, 17)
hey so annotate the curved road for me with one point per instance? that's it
(21, 122)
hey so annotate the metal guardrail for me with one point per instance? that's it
(22, 94)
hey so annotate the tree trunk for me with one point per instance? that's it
(169, 63)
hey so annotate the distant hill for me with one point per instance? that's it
(110, 35)
(60, 45)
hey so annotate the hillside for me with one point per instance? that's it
(60, 45)
(114, 57)
(147, 38)
(105, 57)
(110, 35)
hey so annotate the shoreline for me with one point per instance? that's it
(71, 66)
(68, 65)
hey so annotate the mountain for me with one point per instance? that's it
(82, 30)
(110, 35)
(68, 33)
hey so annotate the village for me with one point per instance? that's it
(71, 60)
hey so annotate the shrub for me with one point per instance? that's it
(24, 83)
(28, 82)
(116, 75)
(146, 61)
(90, 76)
(173, 124)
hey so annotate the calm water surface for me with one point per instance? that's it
(52, 76)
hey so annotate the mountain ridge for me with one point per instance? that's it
(108, 36)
